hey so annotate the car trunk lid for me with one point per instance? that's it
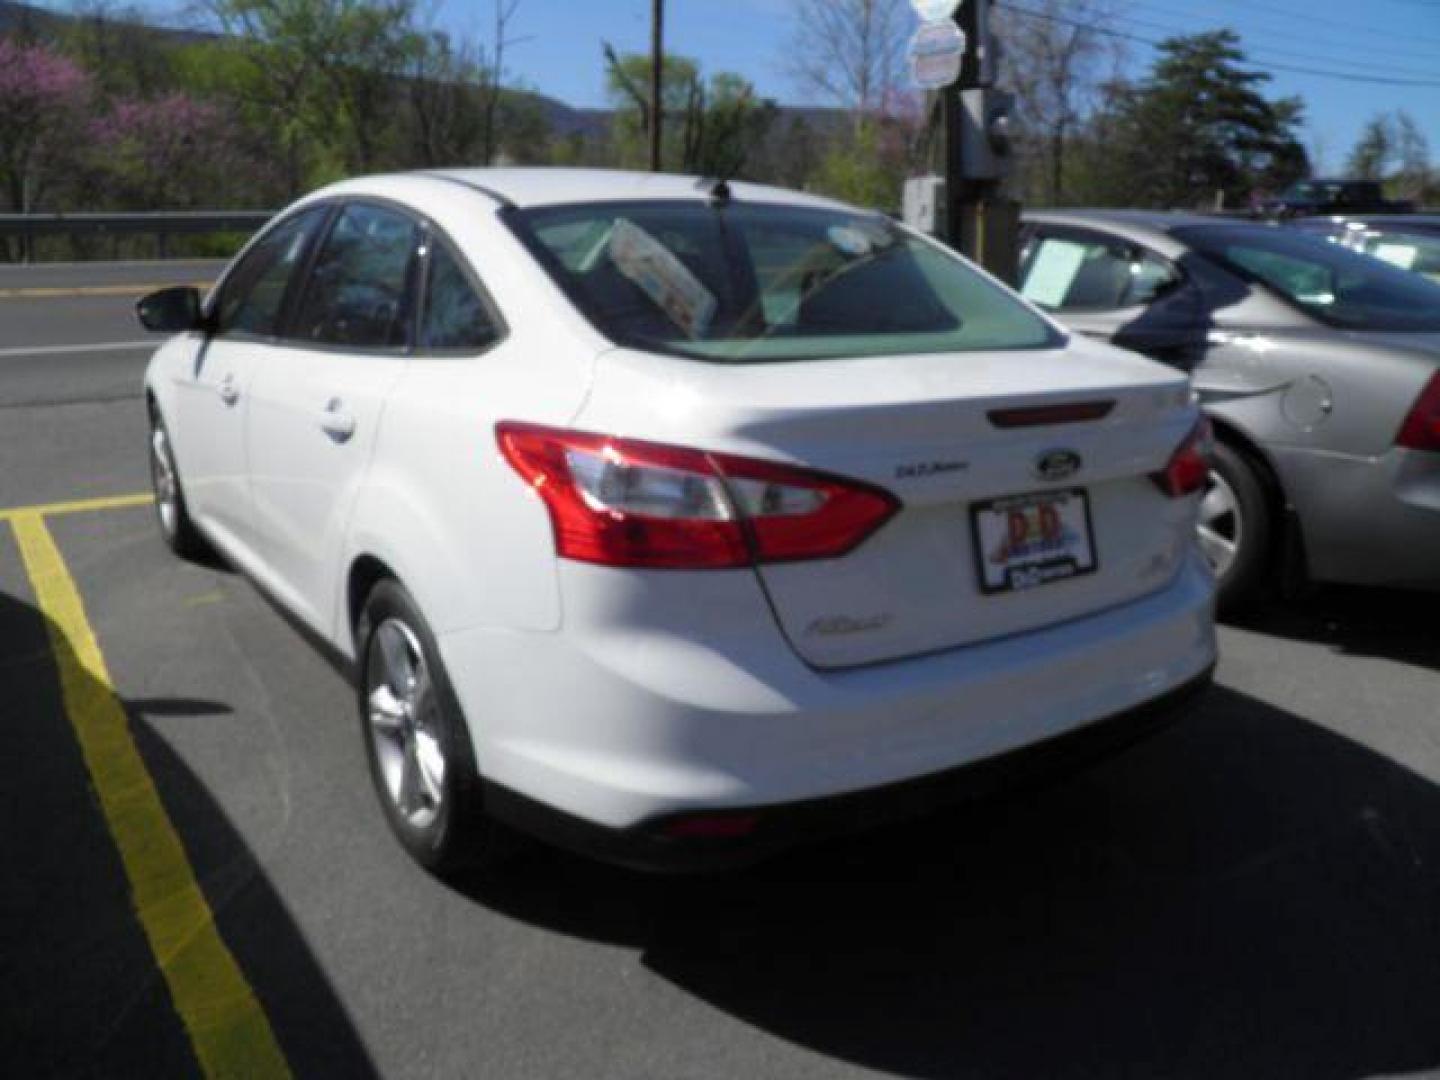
(966, 442)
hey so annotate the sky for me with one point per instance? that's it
(1380, 39)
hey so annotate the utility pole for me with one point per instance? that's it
(980, 222)
(657, 67)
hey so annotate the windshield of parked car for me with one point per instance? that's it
(1335, 285)
(747, 283)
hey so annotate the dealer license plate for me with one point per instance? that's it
(1024, 541)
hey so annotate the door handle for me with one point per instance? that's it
(337, 421)
(229, 392)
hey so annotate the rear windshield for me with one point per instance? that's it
(1335, 285)
(745, 283)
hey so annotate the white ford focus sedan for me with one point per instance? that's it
(676, 520)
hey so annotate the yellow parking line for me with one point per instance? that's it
(53, 292)
(228, 1027)
(77, 506)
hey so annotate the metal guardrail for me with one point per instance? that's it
(162, 224)
(157, 223)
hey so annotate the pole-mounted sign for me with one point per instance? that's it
(936, 53)
(935, 10)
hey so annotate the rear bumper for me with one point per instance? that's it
(1367, 521)
(631, 716)
(650, 845)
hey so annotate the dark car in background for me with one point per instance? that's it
(1409, 241)
(1319, 368)
(1306, 198)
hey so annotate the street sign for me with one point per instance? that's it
(935, 10)
(935, 54)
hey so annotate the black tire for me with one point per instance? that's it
(1249, 526)
(445, 834)
(171, 512)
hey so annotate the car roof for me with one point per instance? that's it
(1158, 220)
(542, 186)
(1426, 221)
(1142, 226)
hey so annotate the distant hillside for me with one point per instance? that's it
(22, 18)
(564, 120)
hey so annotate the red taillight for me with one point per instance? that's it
(1421, 430)
(621, 502)
(1189, 467)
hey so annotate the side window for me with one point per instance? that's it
(253, 293)
(360, 292)
(454, 316)
(1066, 273)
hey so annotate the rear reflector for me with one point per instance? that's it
(1034, 416)
(1189, 467)
(1421, 430)
(622, 502)
(711, 826)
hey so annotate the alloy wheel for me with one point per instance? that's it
(404, 723)
(167, 487)
(1221, 529)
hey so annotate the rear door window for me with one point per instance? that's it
(360, 293)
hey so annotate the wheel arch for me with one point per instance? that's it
(365, 572)
(1241, 441)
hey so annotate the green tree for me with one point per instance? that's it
(445, 112)
(1373, 151)
(124, 56)
(1391, 147)
(321, 74)
(710, 127)
(1195, 129)
(858, 170)
(1412, 152)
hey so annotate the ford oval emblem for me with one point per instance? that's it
(1057, 464)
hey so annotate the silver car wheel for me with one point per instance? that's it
(167, 487)
(1221, 528)
(404, 724)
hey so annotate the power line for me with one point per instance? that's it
(1340, 24)
(1279, 50)
(1155, 44)
(1422, 54)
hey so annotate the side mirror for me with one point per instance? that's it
(171, 311)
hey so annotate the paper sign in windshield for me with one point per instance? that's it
(663, 278)
(1401, 255)
(1053, 272)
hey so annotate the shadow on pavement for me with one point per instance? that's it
(80, 992)
(1389, 623)
(1245, 895)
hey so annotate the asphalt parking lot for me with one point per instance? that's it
(1254, 893)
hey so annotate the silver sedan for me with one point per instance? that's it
(1319, 367)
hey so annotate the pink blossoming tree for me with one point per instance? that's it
(173, 151)
(44, 100)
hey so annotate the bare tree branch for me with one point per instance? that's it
(851, 52)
